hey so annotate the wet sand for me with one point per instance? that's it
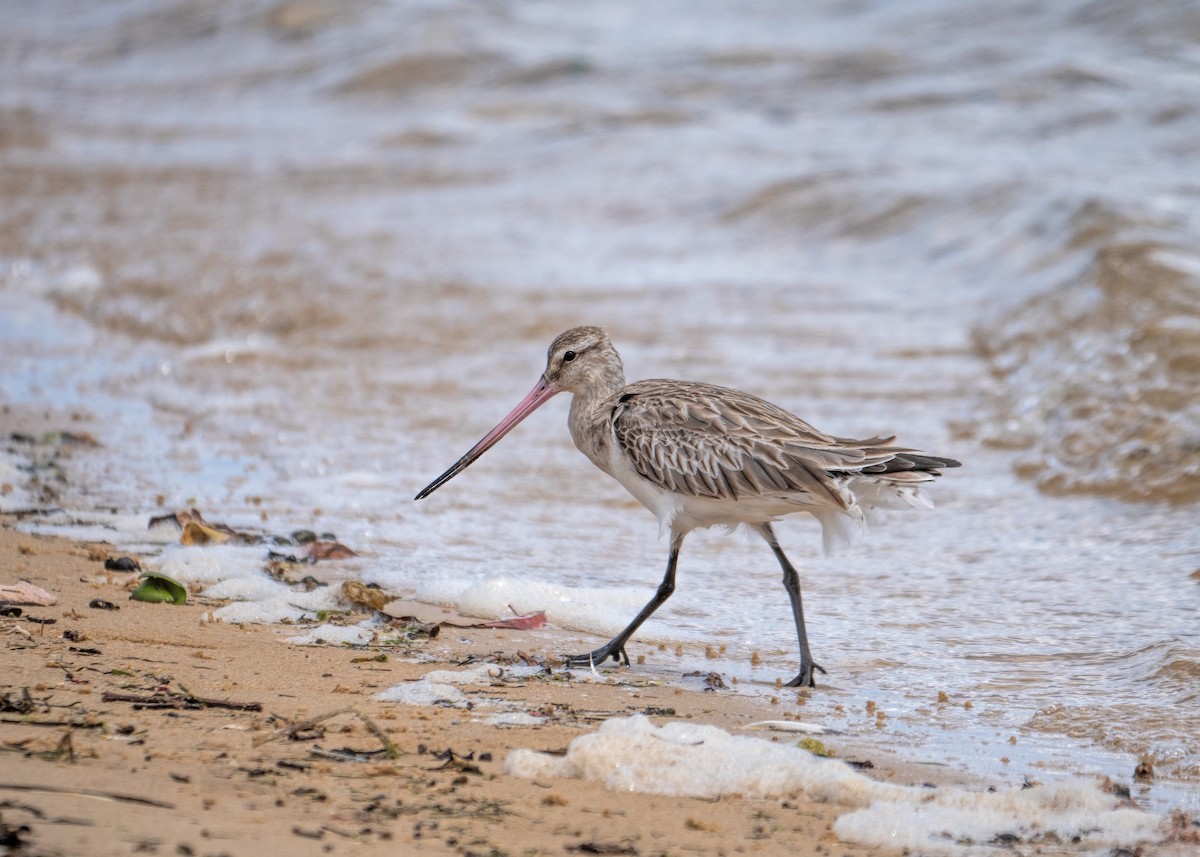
(207, 779)
(240, 753)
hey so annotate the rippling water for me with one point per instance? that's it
(290, 259)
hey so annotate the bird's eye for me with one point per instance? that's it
(568, 356)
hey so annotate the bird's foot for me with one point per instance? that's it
(611, 649)
(805, 677)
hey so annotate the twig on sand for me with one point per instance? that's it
(291, 731)
(96, 794)
(178, 700)
(393, 751)
(70, 724)
(294, 729)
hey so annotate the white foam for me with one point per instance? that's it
(952, 817)
(352, 635)
(209, 563)
(287, 605)
(442, 686)
(423, 692)
(129, 531)
(16, 494)
(686, 759)
(594, 610)
(236, 573)
(252, 587)
(515, 718)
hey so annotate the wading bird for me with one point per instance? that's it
(698, 455)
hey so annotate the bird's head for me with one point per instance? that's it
(583, 359)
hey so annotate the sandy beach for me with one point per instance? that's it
(132, 727)
(86, 775)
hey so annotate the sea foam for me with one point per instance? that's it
(687, 759)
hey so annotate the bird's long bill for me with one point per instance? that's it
(539, 395)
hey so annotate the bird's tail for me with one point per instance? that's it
(839, 529)
(867, 498)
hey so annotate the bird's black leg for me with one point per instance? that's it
(615, 648)
(791, 582)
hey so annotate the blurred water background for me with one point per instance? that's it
(288, 260)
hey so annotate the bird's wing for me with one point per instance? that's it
(707, 441)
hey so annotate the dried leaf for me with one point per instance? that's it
(361, 595)
(414, 627)
(530, 622)
(329, 550)
(179, 519)
(196, 533)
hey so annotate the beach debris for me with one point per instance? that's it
(101, 604)
(19, 704)
(320, 550)
(64, 750)
(604, 848)
(712, 680)
(124, 563)
(411, 627)
(793, 726)
(158, 588)
(98, 794)
(815, 746)
(306, 729)
(344, 755)
(528, 622)
(197, 531)
(180, 699)
(1144, 769)
(452, 761)
(10, 612)
(362, 595)
(25, 593)
(72, 438)
(12, 837)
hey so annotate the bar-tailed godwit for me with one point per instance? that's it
(698, 455)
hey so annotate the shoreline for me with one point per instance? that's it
(152, 727)
(88, 771)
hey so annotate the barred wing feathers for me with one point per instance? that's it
(707, 441)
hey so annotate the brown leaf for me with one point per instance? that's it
(179, 519)
(361, 595)
(196, 533)
(329, 550)
(530, 622)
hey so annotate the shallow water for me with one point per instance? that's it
(290, 260)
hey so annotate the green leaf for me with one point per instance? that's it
(814, 746)
(159, 589)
